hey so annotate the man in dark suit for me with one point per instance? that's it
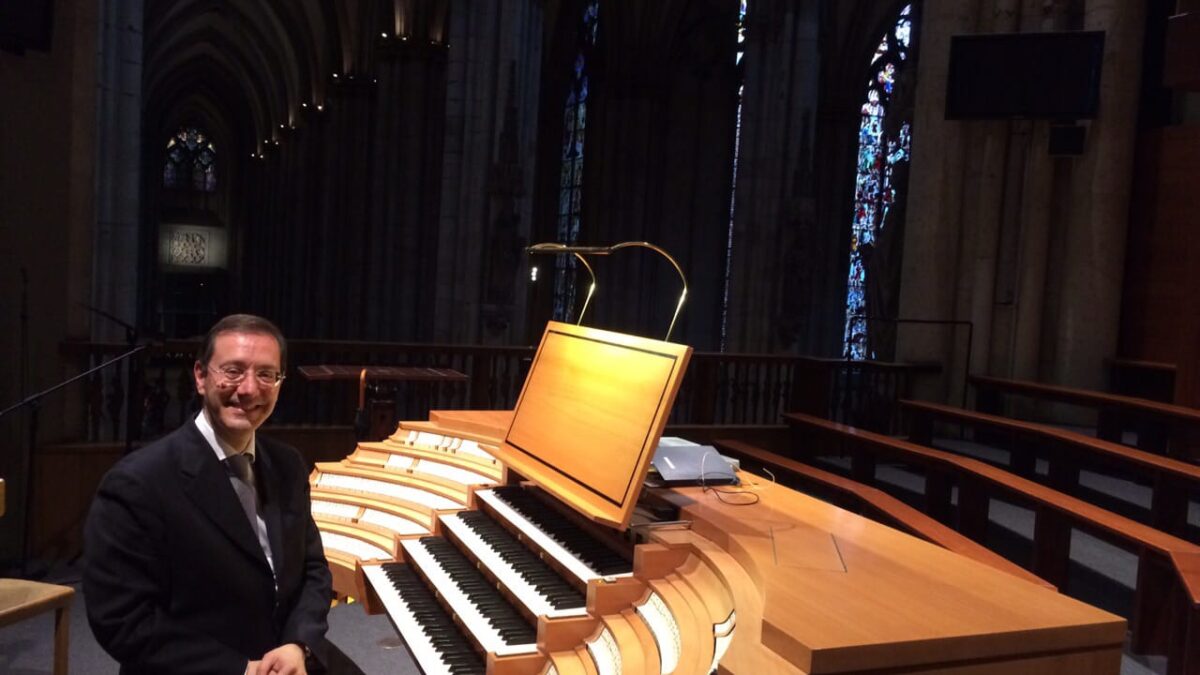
(202, 554)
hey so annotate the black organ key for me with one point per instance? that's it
(593, 552)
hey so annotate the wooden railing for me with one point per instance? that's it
(719, 388)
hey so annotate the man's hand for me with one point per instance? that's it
(252, 667)
(285, 660)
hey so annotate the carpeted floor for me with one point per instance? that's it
(27, 648)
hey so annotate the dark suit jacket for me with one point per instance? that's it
(176, 581)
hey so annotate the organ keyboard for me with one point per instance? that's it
(509, 566)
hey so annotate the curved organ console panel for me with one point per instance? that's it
(459, 530)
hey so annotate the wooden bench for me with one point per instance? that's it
(1164, 428)
(874, 504)
(1067, 452)
(1145, 379)
(1166, 614)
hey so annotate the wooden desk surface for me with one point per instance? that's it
(390, 373)
(843, 593)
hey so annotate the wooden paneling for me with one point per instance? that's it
(1181, 67)
(1161, 309)
(65, 477)
(315, 443)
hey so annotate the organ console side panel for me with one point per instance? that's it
(491, 539)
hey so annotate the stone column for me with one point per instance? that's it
(1090, 272)
(771, 277)
(936, 201)
(492, 75)
(493, 72)
(1039, 211)
(118, 156)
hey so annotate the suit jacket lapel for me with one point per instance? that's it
(271, 495)
(207, 485)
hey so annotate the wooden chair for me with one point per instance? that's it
(20, 600)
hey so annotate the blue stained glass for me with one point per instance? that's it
(571, 173)
(887, 77)
(190, 161)
(740, 54)
(877, 157)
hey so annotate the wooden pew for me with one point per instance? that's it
(1145, 379)
(1167, 428)
(875, 504)
(1166, 615)
(1067, 452)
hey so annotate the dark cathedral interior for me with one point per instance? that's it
(900, 227)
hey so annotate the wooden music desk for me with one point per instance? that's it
(844, 594)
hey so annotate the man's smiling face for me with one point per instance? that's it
(236, 410)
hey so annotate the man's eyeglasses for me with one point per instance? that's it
(233, 375)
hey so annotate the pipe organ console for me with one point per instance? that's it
(523, 543)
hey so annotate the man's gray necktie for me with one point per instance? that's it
(242, 473)
(239, 467)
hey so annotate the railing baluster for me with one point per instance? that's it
(721, 389)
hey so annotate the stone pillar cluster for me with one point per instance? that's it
(1027, 247)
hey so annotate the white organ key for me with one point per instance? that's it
(373, 486)
(453, 473)
(462, 606)
(355, 547)
(335, 509)
(410, 629)
(399, 462)
(551, 547)
(394, 523)
(525, 591)
(472, 448)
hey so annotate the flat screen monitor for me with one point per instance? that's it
(1053, 76)
(26, 24)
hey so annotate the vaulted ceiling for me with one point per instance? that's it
(255, 64)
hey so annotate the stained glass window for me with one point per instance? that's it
(191, 161)
(570, 194)
(737, 147)
(878, 156)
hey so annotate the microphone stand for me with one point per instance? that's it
(131, 337)
(33, 402)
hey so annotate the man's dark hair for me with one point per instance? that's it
(242, 323)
